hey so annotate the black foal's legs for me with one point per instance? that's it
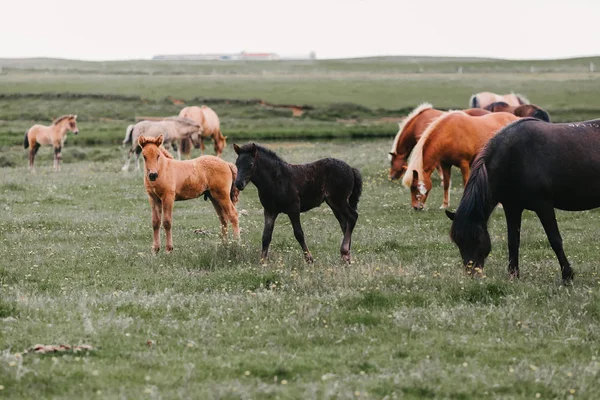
(299, 234)
(513, 225)
(347, 217)
(267, 234)
(547, 216)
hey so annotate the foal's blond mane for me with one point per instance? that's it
(405, 121)
(60, 119)
(415, 162)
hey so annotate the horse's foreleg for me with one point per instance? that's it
(547, 216)
(57, 157)
(446, 171)
(167, 206)
(201, 145)
(156, 206)
(440, 172)
(138, 151)
(267, 234)
(299, 235)
(513, 226)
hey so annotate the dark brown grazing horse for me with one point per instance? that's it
(525, 110)
(295, 188)
(528, 165)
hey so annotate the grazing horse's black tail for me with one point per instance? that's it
(26, 140)
(357, 190)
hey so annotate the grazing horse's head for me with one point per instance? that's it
(398, 165)
(419, 189)
(473, 242)
(152, 155)
(245, 164)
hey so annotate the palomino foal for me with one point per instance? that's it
(54, 135)
(168, 180)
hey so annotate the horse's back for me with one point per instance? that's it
(211, 119)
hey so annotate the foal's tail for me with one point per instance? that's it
(356, 190)
(128, 134)
(26, 139)
(234, 192)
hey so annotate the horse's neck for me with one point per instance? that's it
(407, 138)
(431, 151)
(267, 171)
(60, 129)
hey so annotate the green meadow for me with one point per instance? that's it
(211, 321)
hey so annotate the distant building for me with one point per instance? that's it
(243, 56)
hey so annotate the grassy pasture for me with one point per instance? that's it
(210, 321)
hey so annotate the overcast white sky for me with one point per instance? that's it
(126, 29)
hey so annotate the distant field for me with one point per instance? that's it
(348, 98)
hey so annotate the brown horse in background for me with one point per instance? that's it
(455, 138)
(409, 133)
(483, 99)
(526, 110)
(168, 180)
(54, 135)
(211, 127)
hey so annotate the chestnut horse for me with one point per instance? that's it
(483, 99)
(409, 132)
(528, 165)
(211, 127)
(455, 138)
(168, 180)
(54, 135)
(526, 110)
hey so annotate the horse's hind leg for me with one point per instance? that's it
(347, 217)
(547, 216)
(215, 200)
(299, 235)
(126, 166)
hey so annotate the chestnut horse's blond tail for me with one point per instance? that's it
(26, 139)
(415, 162)
(234, 193)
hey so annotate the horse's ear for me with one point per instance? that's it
(236, 148)
(74, 116)
(253, 148)
(159, 140)
(450, 215)
(399, 124)
(392, 153)
(142, 141)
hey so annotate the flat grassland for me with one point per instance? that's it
(209, 320)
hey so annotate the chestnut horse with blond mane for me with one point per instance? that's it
(54, 135)
(211, 127)
(455, 138)
(483, 99)
(168, 180)
(409, 133)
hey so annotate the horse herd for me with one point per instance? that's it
(507, 150)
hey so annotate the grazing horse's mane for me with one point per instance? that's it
(418, 110)
(415, 162)
(182, 120)
(60, 119)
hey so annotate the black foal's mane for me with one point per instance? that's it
(263, 151)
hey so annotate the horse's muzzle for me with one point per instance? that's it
(152, 176)
(240, 185)
(75, 132)
(418, 207)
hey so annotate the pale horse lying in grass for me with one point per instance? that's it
(172, 129)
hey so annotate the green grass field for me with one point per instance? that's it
(210, 321)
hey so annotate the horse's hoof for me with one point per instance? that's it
(200, 232)
(513, 276)
(155, 250)
(308, 258)
(443, 206)
(169, 249)
(346, 258)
